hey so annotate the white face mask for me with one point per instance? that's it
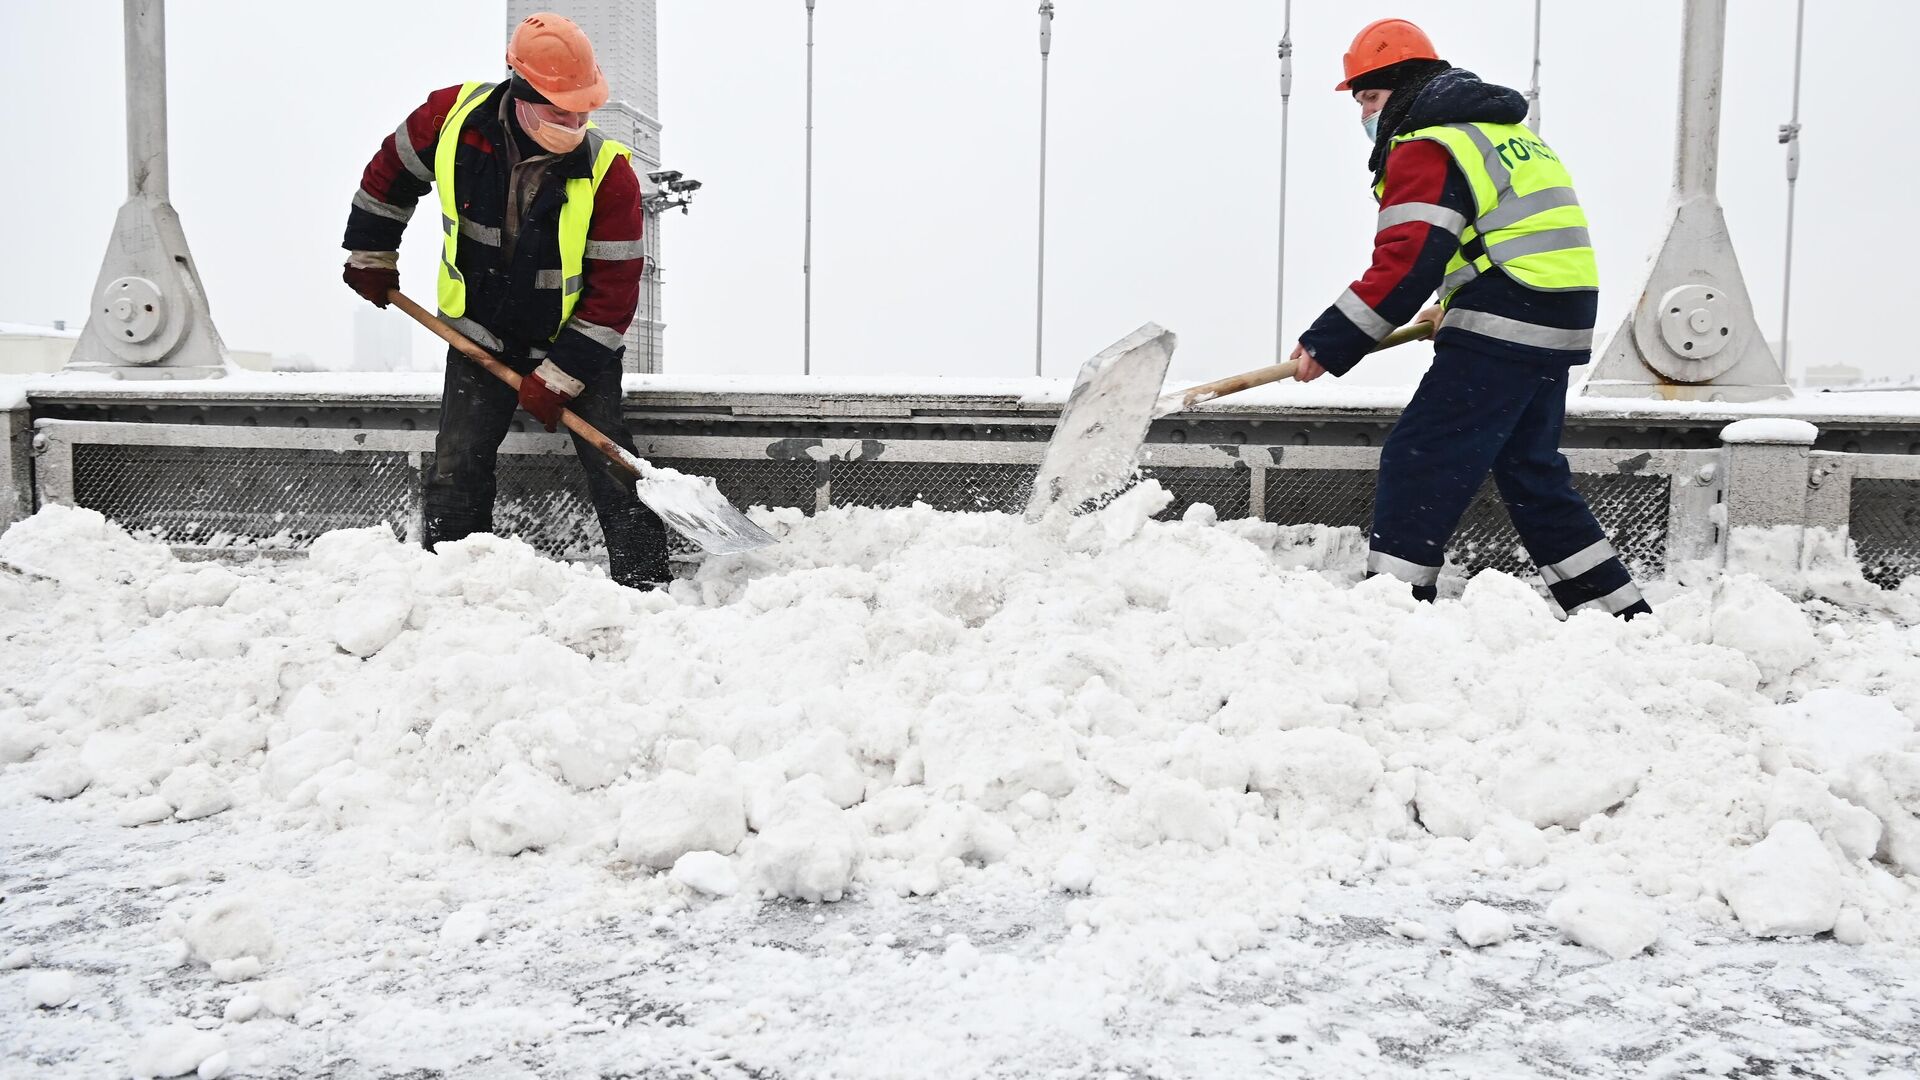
(1371, 125)
(553, 138)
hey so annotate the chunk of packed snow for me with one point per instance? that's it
(194, 792)
(465, 926)
(706, 872)
(294, 762)
(1479, 925)
(228, 928)
(1850, 927)
(368, 619)
(1830, 729)
(1447, 807)
(1785, 885)
(1614, 922)
(21, 956)
(1074, 873)
(1744, 613)
(1567, 785)
(520, 809)
(664, 818)
(175, 1050)
(1314, 770)
(144, 811)
(63, 779)
(49, 989)
(205, 586)
(810, 851)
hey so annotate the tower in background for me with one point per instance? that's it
(626, 45)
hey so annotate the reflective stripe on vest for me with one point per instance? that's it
(1527, 220)
(576, 212)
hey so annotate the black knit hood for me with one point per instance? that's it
(1453, 96)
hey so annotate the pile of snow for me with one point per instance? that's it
(1183, 726)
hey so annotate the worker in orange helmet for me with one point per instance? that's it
(540, 229)
(1477, 207)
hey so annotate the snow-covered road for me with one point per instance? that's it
(945, 795)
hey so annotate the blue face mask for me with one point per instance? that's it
(1371, 125)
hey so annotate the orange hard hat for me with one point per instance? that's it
(553, 54)
(1382, 43)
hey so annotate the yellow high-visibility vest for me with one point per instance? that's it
(1526, 218)
(576, 213)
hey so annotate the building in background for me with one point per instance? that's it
(1823, 376)
(626, 45)
(29, 348)
(26, 348)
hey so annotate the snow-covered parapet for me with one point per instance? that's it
(1769, 523)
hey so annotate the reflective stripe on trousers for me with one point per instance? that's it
(1614, 602)
(1379, 562)
(1587, 558)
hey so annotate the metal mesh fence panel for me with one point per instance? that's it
(1632, 509)
(273, 497)
(1884, 521)
(943, 485)
(1229, 491)
(1339, 497)
(750, 482)
(542, 499)
(267, 497)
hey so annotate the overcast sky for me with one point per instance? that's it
(1163, 166)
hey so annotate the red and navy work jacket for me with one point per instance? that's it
(513, 274)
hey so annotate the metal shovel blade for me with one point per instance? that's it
(693, 507)
(1096, 444)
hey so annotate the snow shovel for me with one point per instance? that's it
(1104, 422)
(690, 505)
(1180, 400)
(1096, 444)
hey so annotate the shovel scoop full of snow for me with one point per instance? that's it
(1096, 444)
(693, 507)
(689, 505)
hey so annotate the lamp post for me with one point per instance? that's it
(1790, 137)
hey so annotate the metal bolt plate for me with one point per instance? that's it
(1695, 321)
(134, 310)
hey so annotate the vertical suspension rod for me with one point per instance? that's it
(806, 254)
(1280, 349)
(1040, 273)
(1533, 89)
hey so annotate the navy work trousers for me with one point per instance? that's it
(1476, 414)
(476, 411)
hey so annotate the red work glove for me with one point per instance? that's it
(545, 392)
(373, 274)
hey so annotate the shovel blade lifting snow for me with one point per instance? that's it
(1117, 398)
(1097, 440)
(689, 505)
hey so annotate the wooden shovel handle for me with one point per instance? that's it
(1233, 384)
(509, 376)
